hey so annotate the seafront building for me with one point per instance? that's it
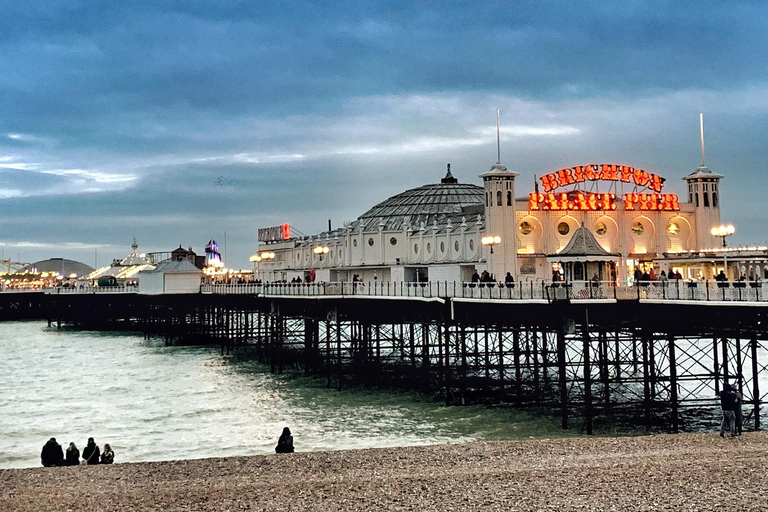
(448, 231)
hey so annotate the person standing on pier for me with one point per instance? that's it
(728, 402)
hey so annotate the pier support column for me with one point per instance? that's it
(673, 382)
(755, 384)
(588, 410)
(561, 375)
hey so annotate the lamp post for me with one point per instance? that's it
(320, 250)
(723, 232)
(490, 241)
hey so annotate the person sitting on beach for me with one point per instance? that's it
(108, 455)
(285, 443)
(91, 452)
(52, 454)
(73, 455)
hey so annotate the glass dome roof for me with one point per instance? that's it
(428, 203)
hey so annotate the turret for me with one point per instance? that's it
(704, 194)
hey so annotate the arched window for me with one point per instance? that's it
(498, 198)
(714, 199)
(486, 199)
(697, 200)
(509, 198)
(706, 199)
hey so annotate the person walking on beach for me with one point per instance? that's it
(728, 398)
(91, 452)
(52, 454)
(285, 443)
(73, 455)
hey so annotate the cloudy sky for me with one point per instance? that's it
(180, 121)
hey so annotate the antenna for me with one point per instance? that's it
(701, 131)
(498, 139)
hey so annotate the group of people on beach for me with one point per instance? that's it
(53, 455)
(730, 402)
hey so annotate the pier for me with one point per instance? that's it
(652, 358)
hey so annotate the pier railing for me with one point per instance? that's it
(63, 290)
(528, 290)
(677, 290)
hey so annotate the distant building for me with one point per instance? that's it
(60, 266)
(124, 271)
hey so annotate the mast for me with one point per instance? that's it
(701, 132)
(498, 139)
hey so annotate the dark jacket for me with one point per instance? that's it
(91, 453)
(52, 454)
(285, 443)
(73, 457)
(728, 400)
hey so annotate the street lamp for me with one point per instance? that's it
(320, 250)
(723, 232)
(491, 240)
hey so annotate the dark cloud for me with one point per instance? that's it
(173, 121)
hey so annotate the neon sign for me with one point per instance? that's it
(281, 232)
(579, 201)
(602, 172)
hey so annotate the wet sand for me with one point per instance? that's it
(699, 472)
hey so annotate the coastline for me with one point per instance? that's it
(658, 472)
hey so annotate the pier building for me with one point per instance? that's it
(448, 230)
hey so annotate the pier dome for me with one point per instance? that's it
(427, 204)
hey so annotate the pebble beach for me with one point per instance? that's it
(696, 472)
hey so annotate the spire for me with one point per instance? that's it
(701, 131)
(498, 138)
(449, 177)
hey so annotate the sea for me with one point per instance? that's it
(153, 402)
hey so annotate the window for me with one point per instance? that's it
(442, 246)
(601, 228)
(525, 227)
(714, 199)
(563, 228)
(498, 198)
(509, 198)
(706, 199)
(429, 248)
(673, 228)
(370, 242)
(416, 248)
(456, 246)
(697, 200)
(393, 241)
(471, 244)
(638, 228)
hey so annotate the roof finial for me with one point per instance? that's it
(701, 132)
(498, 138)
(449, 177)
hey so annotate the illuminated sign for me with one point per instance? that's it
(602, 172)
(579, 201)
(281, 232)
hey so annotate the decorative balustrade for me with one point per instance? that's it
(527, 290)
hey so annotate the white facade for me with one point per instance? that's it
(170, 277)
(435, 232)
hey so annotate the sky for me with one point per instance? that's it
(177, 122)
